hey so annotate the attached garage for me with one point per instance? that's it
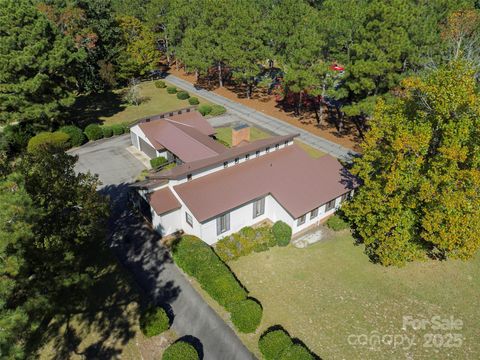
(147, 149)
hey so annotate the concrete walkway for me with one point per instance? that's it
(265, 121)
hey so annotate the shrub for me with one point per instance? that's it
(217, 110)
(126, 128)
(157, 162)
(171, 89)
(183, 95)
(296, 352)
(154, 321)
(93, 132)
(180, 350)
(199, 260)
(246, 315)
(273, 343)
(107, 131)
(336, 223)
(160, 84)
(282, 233)
(57, 139)
(193, 101)
(77, 137)
(205, 109)
(117, 129)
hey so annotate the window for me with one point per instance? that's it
(189, 177)
(301, 220)
(189, 219)
(257, 153)
(225, 164)
(237, 160)
(247, 156)
(286, 143)
(277, 147)
(258, 207)
(267, 149)
(223, 223)
(313, 213)
(330, 205)
(344, 197)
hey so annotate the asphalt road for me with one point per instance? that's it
(138, 248)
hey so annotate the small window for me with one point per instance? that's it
(223, 223)
(189, 177)
(267, 149)
(313, 213)
(247, 156)
(330, 205)
(257, 153)
(277, 146)
(237, 160)
(286, 143)
(225, 164)
(258, 207)
(189, 219)
(301, 220)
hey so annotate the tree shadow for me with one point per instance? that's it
(195, 342)
(90, 108)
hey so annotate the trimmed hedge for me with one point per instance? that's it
(205, 109)
(77, 137)
(118, 129)
(244, 242)
(217, 110)
(273, 343)
(93, 132)
(154, 321)
(160, 84)
(246, 315)
(180, 350)
(57, 139)
(193, 101)
(171, 89)
(107, 131)
(296, 352)
(336, 223)
(183, 95)
(282, 233)
(157, 162)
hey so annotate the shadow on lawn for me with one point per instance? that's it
(89, 108)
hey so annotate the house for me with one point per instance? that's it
(213, 191)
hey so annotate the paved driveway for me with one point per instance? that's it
(110, 159)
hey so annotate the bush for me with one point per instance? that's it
(157, 162)
(193, 101)
(160, 84)
(296, 352)
(282, 233)
(205, 109)
(217, 110)
(180, 350)
(117, 129)
(336, 223)
(77, 137)
(154, 321)
(171, 89)
(57, 139)
(273, 343)
(126, 128)
(107, 131)
(93, 132)
(199, 260)
(246, 315)
(183, 95)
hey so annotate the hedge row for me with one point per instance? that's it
(278, 345)
(96, 132)
(199, 260)
(57, 139)
(249, 240)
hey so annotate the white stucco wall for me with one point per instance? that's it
(168, 223)
(139, 133)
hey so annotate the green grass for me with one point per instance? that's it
(225, 134)
(109, 108)
(328, 291)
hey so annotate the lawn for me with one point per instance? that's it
(109, 107)
(225, 134)
(329, 291)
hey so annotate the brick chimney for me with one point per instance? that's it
(240, 133)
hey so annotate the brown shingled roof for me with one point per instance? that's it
(163, 201)
(195, 119)
(297, 181)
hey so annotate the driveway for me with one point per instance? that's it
(138, 248)
(110, 159)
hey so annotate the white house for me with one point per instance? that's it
(218, 193)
